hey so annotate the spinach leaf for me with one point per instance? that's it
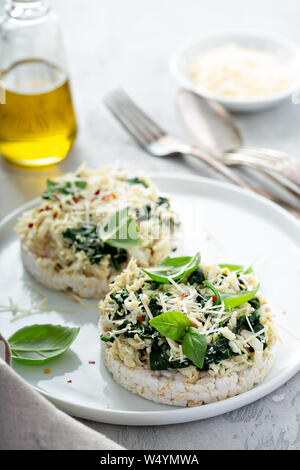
(152, 285)
(154, 307)
(106, 339)
(120, 230)
(254, 320)
(143, 214)
(64, 187)
(120, 297)
(85, 238)
(174, 268)
(163, 201)
(217, 351)
(160, 358)
(194, 346)
(255, 303)
(173, 325)
(80, 184)
(196, 277)
(143, 331)
(137, 180)
(37, 344)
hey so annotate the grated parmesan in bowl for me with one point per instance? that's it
(232, 70)
(242, 71)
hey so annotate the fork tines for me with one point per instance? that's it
(132, 118)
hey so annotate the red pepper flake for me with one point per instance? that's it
(75, 199)
(92, 362)
(140, 319)
(69, 381)
(214, 298)
(97, 192)
(185, 294)
(54, 215)
(46, 208)
(30, 225)
(106, 197)
(47, 371)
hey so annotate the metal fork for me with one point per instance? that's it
(280, 166)
(154, 140)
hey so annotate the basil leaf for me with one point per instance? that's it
(37, 344)
(194, 346)
(232, 267)
(240, 269)
(174, 268)
(235, 300)
(176, 262)
(173, 325)
(120, 231)
(208, 284)
(248, 270)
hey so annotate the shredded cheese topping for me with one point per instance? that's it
(127, 309)
(91, 197)
(235, 71)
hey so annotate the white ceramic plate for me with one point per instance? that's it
(227, 225)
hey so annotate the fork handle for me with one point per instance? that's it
(219, 166)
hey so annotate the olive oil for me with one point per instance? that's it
(37, 121)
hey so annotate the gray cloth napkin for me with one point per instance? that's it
(29, 421)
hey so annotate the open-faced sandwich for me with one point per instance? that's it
(89, 224)
(186, 334)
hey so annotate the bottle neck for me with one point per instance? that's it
(27, 9)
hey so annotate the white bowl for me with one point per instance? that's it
(287, 50)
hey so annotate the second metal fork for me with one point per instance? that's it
(153, 139)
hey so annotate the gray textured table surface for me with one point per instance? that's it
(113, 42)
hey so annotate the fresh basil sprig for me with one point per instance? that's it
(238, 268)
(216, 293)
(235, 300)
(174, 268)
(194, 346)
(176, 326)
(232, 300)
(173, 325)
(37, 344)
(120, 230)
